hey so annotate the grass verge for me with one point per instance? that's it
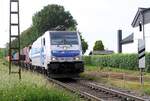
(32, 87)
(95, 73)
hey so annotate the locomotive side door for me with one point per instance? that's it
(42, 53)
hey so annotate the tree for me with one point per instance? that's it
(48, 18)
(1, 53)
(6, 49)
(98, 46)
(28, 36)
(52, 16)
(84, 44)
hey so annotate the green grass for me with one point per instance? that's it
(1, 52)
(125, 84)
(32, 87)
(135, 86)
(110, 69)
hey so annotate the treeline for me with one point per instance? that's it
(2, 52)
(48, 18)
(124, 61)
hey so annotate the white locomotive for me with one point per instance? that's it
(59, 53)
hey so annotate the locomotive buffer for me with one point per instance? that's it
(14, 33)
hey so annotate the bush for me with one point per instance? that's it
(148, 62)
(1, 53)
(87, 60)
(124, 61)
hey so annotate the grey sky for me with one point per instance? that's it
(97, 19)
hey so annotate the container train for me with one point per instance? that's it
(57, 53)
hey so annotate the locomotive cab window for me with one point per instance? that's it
(64, 38)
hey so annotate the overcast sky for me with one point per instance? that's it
(97, 19)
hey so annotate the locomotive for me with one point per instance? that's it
(57, 53)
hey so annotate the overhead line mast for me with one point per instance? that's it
(14, 33)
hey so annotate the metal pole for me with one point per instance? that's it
(141, 80)
(119, 41)
(17, 47)
(19, 39)
(124, 80)
(141, 77)
(9, 38)
(143, 25)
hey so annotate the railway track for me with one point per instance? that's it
(94, 92)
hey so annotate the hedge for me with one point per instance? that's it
(125, 61)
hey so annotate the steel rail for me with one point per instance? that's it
(118, 93)
(80, 93)
(88, 96)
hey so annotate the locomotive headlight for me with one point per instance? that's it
(77, 58)
(65, 48)
(53, 58)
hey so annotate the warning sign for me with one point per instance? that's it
(141, 53)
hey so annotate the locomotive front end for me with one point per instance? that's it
(66, 54)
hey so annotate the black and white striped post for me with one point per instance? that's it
(141, 56)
